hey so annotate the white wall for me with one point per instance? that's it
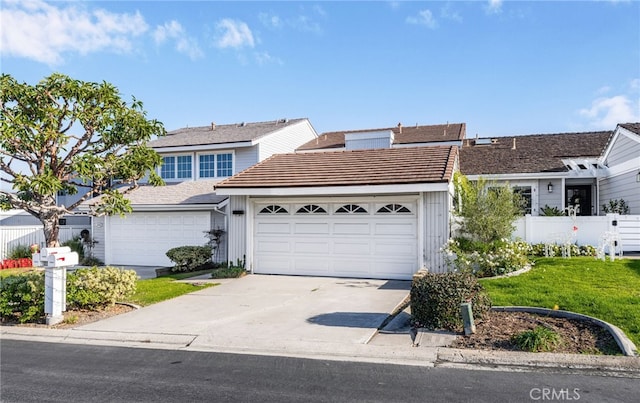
(536, 230)
(286, 140)
(436, 229)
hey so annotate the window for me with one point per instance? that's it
(351, 209)
(184, 166)
(393, 209)
(311, 209)
(215, 165)
(274, 209)
(225, 166)
(176, 167)
(525, 194)
(207, 166)
(168, 170)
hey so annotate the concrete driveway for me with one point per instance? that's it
(267, 313)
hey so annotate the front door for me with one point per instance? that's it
(579, 197)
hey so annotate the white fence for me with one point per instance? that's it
(588, 230)
(26, 235)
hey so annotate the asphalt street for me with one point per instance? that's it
(57, 372)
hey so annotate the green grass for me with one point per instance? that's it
(609, 291)
(16, 271)
(159, 289)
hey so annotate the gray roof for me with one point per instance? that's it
(182, 193)
(221, 134)
(632, 127)
(175, 194)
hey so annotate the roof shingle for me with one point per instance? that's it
(221, 134)
(404, 135)
(532, 153)
(349, 168)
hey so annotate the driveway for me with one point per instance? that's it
(268, 313)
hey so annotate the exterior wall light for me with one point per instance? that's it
(638, 177)
(550, 187)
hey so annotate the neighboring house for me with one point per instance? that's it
(622, 158)
(363, 204)
(555, 170)
(180, 212)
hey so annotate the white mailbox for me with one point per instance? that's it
(61, 259)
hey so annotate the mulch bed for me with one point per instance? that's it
(578, 337)
(75, 318)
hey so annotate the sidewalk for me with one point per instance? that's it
(304, 317)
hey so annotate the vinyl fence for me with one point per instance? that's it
(581, 230)
(10, 237)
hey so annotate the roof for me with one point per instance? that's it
(402, 135)
(180, 193)
(531, 154)
(221, 134)
(632, 127)
(349, 168)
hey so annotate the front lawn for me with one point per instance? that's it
(151, 291)
(609, 291)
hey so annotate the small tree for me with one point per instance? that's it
(487, 210)
(62, 135)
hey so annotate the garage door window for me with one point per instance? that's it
(274, 209)
(351, 209)
(311, 209)
(394, 209)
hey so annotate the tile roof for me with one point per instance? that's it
(181, 193)
(410, 134)
(532, 153)
(349, 168)
(221, 134)
(632, 127)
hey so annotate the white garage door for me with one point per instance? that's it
(144, 238)
(342, 239)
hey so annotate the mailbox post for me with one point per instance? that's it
(55, 262)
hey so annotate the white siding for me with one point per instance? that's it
(623, 150)
(245, 158)
(286, 140)
(436, 229)
(98, 234)
(623, 186)
(237, 228)
(553, 199)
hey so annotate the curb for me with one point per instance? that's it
(600, 363)
(626, 346)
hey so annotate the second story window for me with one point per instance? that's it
(176, 167)
(215, 165)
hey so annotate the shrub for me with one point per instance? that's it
(486, 259)
(539, 250)
(91, 288)
(436, 299)
(616, 206)
(189, 258)
(76, 245)
(539, 339)
(22, 297)
(549, 211)
(19, 252)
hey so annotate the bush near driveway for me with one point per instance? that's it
(606, 290)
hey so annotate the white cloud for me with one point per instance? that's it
(424, 17)
(447, 12)
(42, 32)
(270, 20)
(606, 113)
(233, 34)
(183, 43)
(635, 84)
(603, 90)
(266, 58)
(494, 7)
(305, 24)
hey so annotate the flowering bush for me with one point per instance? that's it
(22, 297)
(15, 263)
(91, 288)
(541, 250)
(486, 259)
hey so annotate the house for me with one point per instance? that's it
(554, 170)
(360, 204)
(179, 213)
(622, 159)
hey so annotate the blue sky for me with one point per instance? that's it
(502, 67)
